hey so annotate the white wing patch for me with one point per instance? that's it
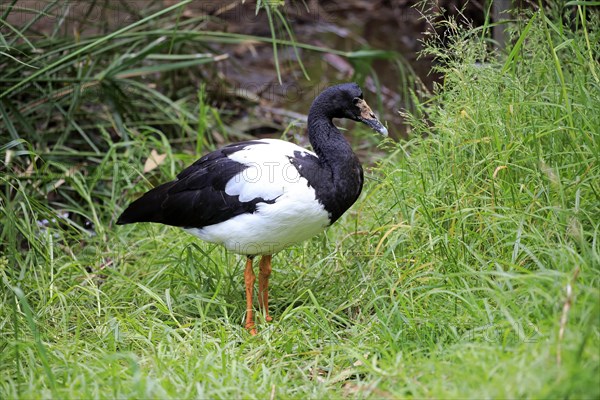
(269, 174)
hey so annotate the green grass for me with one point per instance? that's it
(449, 277)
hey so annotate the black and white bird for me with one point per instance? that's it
(261, 196)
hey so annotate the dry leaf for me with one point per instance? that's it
(154, 161)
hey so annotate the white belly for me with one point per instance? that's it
(294, 217)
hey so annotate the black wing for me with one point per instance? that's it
(197, 197)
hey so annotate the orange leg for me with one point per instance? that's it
(249, 279)
(263, 285)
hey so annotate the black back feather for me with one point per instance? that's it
(197, 197)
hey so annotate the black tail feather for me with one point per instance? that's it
(147, 208)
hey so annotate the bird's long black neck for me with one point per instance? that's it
(339, 179)
(327, 141)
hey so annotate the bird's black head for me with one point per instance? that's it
(346, 101)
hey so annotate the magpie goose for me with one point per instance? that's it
(260, 196)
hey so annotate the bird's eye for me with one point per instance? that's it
(356, 100)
